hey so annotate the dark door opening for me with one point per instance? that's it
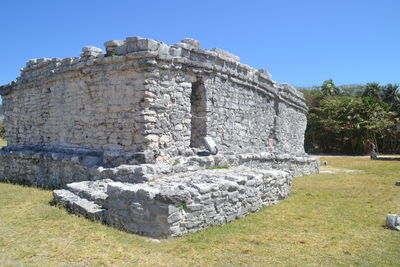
(198, 110)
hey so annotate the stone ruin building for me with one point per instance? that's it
(120, 135)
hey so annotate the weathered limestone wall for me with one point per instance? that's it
(56, 166)
(148, 96)
(238, 119)
(243, 109)
(241, 119)
(168, 117)
(291, 126)
(48, 170)
(98, 110)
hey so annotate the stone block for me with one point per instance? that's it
(226, 54)
(114, 43)
(91, 51)
(138, 44)
(192, 42)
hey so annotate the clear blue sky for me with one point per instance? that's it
(301, 42)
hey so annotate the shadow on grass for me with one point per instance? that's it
(388, 158)
(27, 183)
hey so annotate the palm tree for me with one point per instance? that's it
(373, 90)
(391, 96)
(329, 88)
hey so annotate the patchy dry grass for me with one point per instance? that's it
(331, 219)
(3, 142)
(219, 167)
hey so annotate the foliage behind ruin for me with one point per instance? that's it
(348, 119)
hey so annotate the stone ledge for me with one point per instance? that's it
(32, 163)
(85, 156)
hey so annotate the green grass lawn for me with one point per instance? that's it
(331, 219)
(3, 142)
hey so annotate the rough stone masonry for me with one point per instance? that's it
(120, 134)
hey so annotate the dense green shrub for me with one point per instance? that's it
(349, 119)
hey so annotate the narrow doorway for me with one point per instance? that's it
(198, 110)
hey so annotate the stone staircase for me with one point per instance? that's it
(176, 203)
(79, 205)
(95, 191)
(87, 198)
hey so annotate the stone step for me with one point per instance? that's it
(143, 173)
(95, 191)
(131, 173)
(178, 203)
(78, 205)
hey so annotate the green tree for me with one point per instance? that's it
(392, 97)
(373, 90)
(329, 88)
(312, 97)
(347, 122)
(352, 89)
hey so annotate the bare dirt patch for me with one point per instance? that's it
(327, 169)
